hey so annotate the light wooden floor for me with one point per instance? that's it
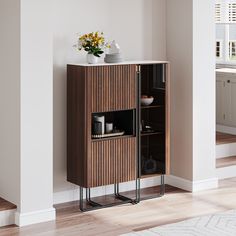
(222, 138)
(5, 205)
(174, 206)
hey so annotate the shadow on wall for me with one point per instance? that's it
(59, 127)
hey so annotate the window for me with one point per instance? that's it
(232, 12)
(218, 12)
(218, 49)
(225, 18)
(232, 50)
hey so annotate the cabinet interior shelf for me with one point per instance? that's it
(152, 133)
(143, 176)
(152, 106)
(111, 138)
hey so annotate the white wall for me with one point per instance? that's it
(191, 53)
(179, 53)
(159, 29)
(26, 86)
(10, 100)
(203, 89)
(36, 105)
(137, 25)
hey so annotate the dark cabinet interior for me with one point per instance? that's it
(122, 121)
(153, 120)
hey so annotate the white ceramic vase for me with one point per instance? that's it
(91, 59)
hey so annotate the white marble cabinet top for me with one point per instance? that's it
(122, 63)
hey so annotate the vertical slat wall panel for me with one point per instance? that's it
(112, 161)
(112, 87)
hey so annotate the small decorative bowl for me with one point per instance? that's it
(146, 101)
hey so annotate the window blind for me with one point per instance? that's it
(225, 11)
(232, 12)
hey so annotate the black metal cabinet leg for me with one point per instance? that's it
(162, 185)
(81, 202)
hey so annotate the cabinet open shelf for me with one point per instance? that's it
(112, 138)
(143, 176)
(152, 133)
(122, 121)
(152, 106)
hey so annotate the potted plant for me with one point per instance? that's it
(94, 44)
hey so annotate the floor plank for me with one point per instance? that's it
(174, 206)
(225, 162)
(5, 205)
(223, 138)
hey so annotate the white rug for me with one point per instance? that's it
(222, 224)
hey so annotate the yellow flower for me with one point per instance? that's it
(92, 40)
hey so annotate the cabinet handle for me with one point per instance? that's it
(228, 81)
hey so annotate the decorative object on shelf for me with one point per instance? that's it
(113, 134)
(97, 128)
(100, 119)
(91, 59)
(114, 55)
(94, 44)
(150, 166)
(109, 128)
(146, 128)
(146, 100)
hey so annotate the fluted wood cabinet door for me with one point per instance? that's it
(112, 161)
(112, 87)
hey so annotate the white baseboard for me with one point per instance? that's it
(179, 182)
(23, 219)
(226, 129)
(7, 217)
(225, 150)
(228, 149)
(191, 186)
(205, 184)
(226, 172)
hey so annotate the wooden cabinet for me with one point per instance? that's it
(226, 99)
(114, 91)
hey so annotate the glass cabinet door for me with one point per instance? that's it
(153, 114)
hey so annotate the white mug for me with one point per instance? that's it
(109, 128)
